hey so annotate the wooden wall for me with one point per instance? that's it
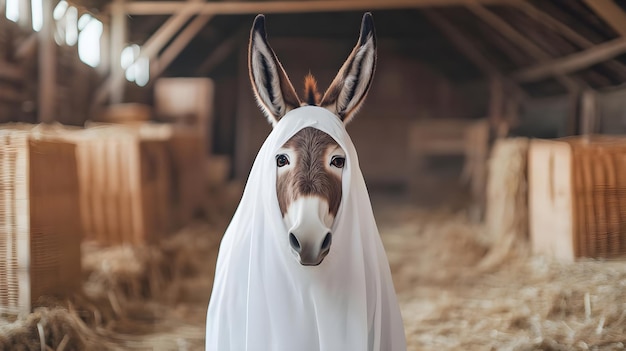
(403, 90)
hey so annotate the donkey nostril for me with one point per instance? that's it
(327, 241)
(295, 244)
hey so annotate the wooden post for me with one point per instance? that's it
(181, 41)
(588, 113)
(118, 40)
(496, 104)
(47, 57)
(611, 13)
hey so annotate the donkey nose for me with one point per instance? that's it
(310, 252)
(328, 239)
(295, 243)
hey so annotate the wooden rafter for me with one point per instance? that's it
(520, 40)
(253, 7)
(611, 13)
(566, 32)
(573, 62)
(181, 41)
(114, 83)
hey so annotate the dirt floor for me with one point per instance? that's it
(156, 298)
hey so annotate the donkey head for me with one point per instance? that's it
(309, 166)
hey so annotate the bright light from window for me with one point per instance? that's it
(59, 10)
(71, 26)
(136, 68)
(83, 21)
(37, 9)
(142, 71)
(89, 42)
(129, 55)
(13, 10)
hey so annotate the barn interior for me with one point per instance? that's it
(491, 143)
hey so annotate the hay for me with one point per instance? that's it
(49, 328)
(134, 298)
(507, 205)
(524, 303)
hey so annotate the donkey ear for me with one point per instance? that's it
(272, 88)
(348, 90)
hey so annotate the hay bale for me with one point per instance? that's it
(40, 226)
(577, 197)
(506, 216)
(124, 183)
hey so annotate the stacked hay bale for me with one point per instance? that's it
(577, 202)
(506, 215)
(39, 218)
(124, 182)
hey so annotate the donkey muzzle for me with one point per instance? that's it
(309, 249)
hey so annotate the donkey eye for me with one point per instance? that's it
(338, 161)
(282, 160)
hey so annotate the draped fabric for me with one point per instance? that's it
(263, 299)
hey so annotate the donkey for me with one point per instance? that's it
(305, 194)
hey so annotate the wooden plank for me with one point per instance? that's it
(181, 41)
(611, 13)
(252, 7)
(573, 62)
(520, 40)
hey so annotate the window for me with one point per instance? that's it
(137, 68)
(37, 12)
(12, 10)
(89, 40)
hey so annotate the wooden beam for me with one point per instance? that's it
(254, 7)
(221, 52)
(572, 63)
(164, 34)
(567, 32)
(47, 55)
(181, 41)
(520, 40)
(611, 13)
(149, 49)
(462, 43)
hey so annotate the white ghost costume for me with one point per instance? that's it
(264, 299)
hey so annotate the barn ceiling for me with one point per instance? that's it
(463, 42)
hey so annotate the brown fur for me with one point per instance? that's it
(311, 94)
(310, 175)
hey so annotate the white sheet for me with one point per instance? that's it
(263, 299)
